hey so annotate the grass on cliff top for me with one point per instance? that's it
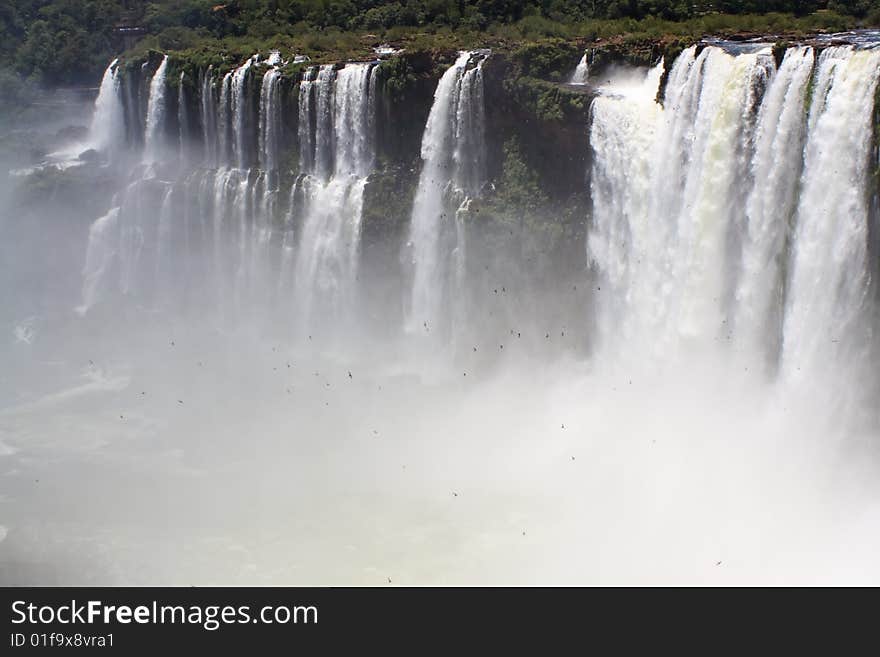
(334, 45)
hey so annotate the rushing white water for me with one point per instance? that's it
(153, 136)
(729, 215)
(775, 170)
(99, 258)
(453, 170)
(108, 122)
(622, 134)
(241, 124)
(826, 320)
(224, 121)
(716, 414)
(327, 260)
(270, 120)
(708, 208)
(208, 116)
(164, 246)
(274, 58)
(183, 127)
(582, 71)
(305, 121)
(221, 224)
(665, 198)
(324, 104)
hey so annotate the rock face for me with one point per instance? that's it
(90, 155)
(352, 176)
(524, 100)
(304, 180)
(549, 120)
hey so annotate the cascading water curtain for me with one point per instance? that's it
(737, 211)
(221, 214)
(453, 170)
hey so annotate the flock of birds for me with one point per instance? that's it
(286, 364)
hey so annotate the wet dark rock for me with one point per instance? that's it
(90, 155)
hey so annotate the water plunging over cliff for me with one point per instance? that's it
(581, 71)
(107, 131)
(827, 317)
(153, 136)
(270, 120)
(770, 205)
(327, 259)
(737, 212)
(224, 220)
(242, 121)
(453, 171)
(674, 346)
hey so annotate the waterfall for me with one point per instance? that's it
(770, 204)
(736, 212)
(164, 245)
(220, 219)
(208, 116)
(453, 169)
(107, 131)
(324, 87)
(132, 102)
(182, 115)
(624, 123)
(224, 123)
(153, 136)
(353, 120)
(100, 257)
(270, 120)
(825, 319)
(133, 234)
(469, 152)
(270, 130)
(118, 239)
(274, 58)
(327, 259)
(305, 121)
(709, 206)
(241, 125)
(581, 71)
(663, 245)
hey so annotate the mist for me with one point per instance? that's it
(215, 373)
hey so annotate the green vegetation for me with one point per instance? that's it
(519, 188)
(58, 41)
(70, 41)
(398, 73)
(545, 100)
(388, 201)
